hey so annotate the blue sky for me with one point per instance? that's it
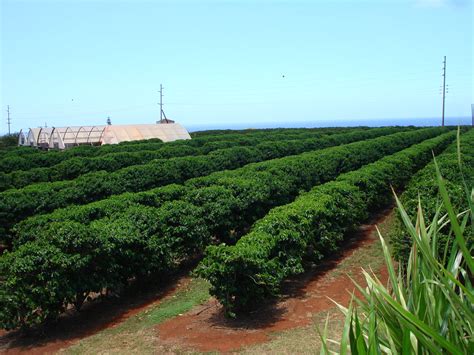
(223, 62)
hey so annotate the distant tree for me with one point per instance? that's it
(9, 140)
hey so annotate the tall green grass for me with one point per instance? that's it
(427, 308)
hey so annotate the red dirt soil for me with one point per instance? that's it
(95, 317)
(207, 329)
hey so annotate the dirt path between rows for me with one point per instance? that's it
(205, 328)
(95, 317)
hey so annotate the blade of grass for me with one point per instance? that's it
(453, 217)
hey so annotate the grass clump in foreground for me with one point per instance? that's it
(428, 308)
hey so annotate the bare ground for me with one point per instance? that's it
(205, 328)
(94, 318)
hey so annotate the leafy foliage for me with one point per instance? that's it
(26, 158)
(424, 186)
(428, 307)
(8, 141)
(311, 227)
(76, 165)
(72, 258)
(16, 205)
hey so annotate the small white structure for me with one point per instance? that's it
(44, 136)
(66, 137)
(21, 138)
(37, 137)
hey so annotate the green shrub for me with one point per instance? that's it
(16, 205)
(428, 307)
(75, 166)
(245, 274)
(424, 186)
(27, 158)
(140, 240)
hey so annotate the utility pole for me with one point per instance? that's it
(162, 112)
(161, 103)
(8, 119)
(444, 90)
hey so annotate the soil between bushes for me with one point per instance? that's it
(205, 328)
(95, 317)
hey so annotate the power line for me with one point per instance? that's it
(335, 84)
(346, 84)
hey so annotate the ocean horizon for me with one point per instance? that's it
(449, 121)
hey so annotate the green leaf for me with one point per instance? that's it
(454, 222)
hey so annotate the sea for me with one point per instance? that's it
(421, 122)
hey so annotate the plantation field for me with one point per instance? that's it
(244, 213)
(35, 199)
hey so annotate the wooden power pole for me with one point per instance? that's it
(444, 90)
(8, 119)
(161, 103)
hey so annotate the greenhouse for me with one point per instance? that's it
(71, 136)
(36, 137)
(21, 138)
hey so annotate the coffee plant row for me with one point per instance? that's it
(63, 262)
(423, 186)
(308, 229)
(16, 205)
(74, 167)
(26, 158)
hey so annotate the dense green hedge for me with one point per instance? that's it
(220, 133)
(311, 227)
(424, 186)
(73, 167)
(8, 142)
(154, 197)
(25, 158)
(76, 166)
(16, 205)
(63, 262)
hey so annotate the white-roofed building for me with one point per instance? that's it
(67, 137)
(71, 136)
(21, 138)
(167, 132)
(36, 137)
